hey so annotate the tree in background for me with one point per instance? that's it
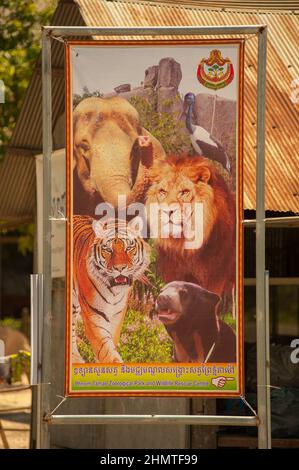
(165, 126)
(86, 94)
(20, 26)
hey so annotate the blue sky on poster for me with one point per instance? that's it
(104, 68)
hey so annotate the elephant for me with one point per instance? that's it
(109, 157)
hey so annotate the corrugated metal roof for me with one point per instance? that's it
(17, 171)
(257, 5)
(17, 200)
(282, 123)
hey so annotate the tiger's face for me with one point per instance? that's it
(118, 255)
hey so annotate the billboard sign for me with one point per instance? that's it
(154, 199)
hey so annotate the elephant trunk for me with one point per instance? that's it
(125, 173)
(113, 187)
(110, 165)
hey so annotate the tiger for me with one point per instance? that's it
(108, 256)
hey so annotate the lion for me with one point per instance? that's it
(211, 264)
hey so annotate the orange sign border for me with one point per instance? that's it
(69, 213)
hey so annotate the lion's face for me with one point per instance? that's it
(184, 196)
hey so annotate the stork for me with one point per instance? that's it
(202, 141)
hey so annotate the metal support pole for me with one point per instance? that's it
(260, 243)
(268, 370)
(46, 245)
(262, 419)
(36, 307)
(36, 288)
(152, 30)
(202, 420)
(275, 222)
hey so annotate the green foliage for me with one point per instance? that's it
(83, 344)
(86, 94)
(26, 239)
(164, 125)
(144, 339)
(86, 351)
(156, 281)
(10, 322)
(24, 234)
(229, 320)
(20, 363)
(144, 295)
(20, 26)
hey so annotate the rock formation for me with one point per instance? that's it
(163, 79)
(151, 76)
(122, 88)
(169, 74)
(223, 128)
(162, 82)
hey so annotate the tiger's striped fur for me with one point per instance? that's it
(107, 258)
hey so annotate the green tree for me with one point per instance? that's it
(26, 239)
(144, 339)
(86, 94)
(20, 26)
(165, 126)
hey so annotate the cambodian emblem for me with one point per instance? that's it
(215, 72)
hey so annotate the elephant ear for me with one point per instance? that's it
(144, 154)
(158, 151)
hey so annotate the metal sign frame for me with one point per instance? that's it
(262, 419)
(73, 50)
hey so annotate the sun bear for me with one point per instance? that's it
(189, 314)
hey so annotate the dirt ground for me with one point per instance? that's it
(16, 424)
